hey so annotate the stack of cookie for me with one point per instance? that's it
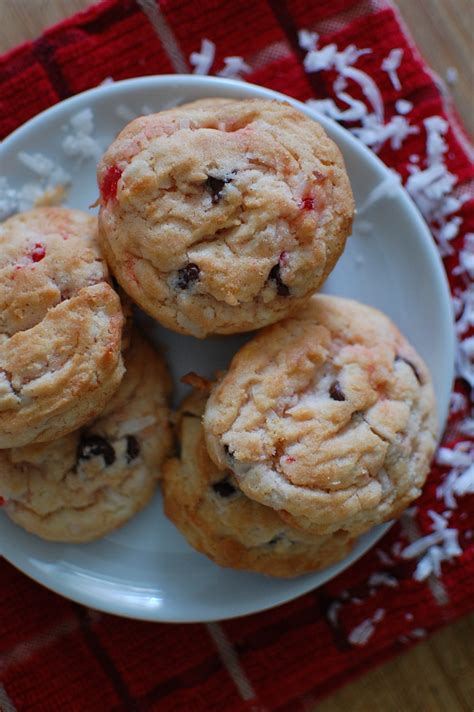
(322, 427)
(216, 217)
(84, 422)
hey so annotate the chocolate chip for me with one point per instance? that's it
(187, 275)
(133, 448)
(215, 185)
(336, 392)
(229, 454)
(95, 446)
(412, 366)
(224, 488)
(282, 289)
(275, 540)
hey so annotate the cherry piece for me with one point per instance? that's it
(38, 252)
(109, 183)
(307, 203)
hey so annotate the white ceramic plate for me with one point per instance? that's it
(146, 569)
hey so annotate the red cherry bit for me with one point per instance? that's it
(307, 203)
(108, 188)
(38, 252)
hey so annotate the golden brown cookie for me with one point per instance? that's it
(60, 326)
(217, 519)
(327, 417)
(223, 216)
(93, 480)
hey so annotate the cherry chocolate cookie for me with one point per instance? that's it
(223, 216)
(93, 480)
(60, 326)
(327, 417)
(219, 520)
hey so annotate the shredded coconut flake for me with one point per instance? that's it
(452, 75)
(356, 110)
(13, 201)
(382, 579)
(403, 106)
(390, 65)
(369, 89)
(125, 112)
(363, 632)
(44, 168)
(396, 548)
(435, 548)
(431, 188)
(374, 133)
(308, 40)
(464, 307)
(418, 633)
(465, 360)
(234, 67)
(333, 613)
(459, 481)
(384, 558)
(50, 178)
(80, 142)
(467, 427)
(203, 60)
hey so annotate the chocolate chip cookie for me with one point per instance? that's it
(94, 479)
(219, 520)
(60, 326)
(328, 417)
(223, 216)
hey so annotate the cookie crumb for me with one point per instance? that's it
(196, 381)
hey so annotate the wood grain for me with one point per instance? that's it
(437, 675)
(444, 33)
(22, 20)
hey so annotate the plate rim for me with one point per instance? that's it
(139, 612)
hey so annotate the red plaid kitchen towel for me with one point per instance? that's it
(56, 655)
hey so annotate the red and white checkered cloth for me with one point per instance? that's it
(56, 655)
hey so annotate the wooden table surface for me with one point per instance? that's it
(438, 674)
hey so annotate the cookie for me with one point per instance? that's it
(207, 506)
(223, 216)
(327, 417)
(60, 326)
(93, 480)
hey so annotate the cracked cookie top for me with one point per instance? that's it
(223, 216)
(328, 417)
(94, 479)
(60, 326)
(219, 520)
